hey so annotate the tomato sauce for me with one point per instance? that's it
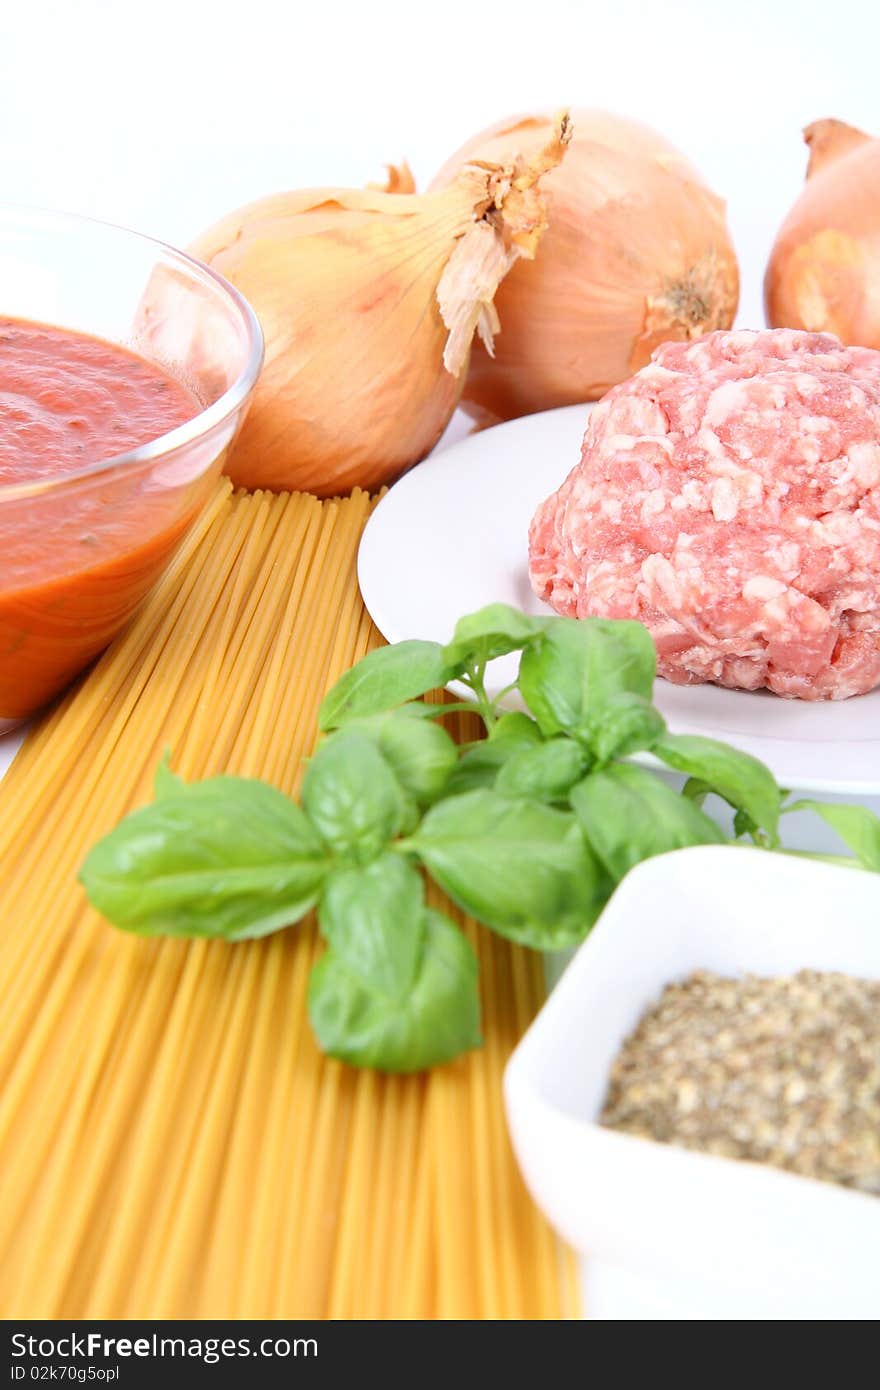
(75, 560)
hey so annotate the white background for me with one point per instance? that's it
(164, 114)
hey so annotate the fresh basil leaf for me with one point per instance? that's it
(413, 709)
(546, 772)
(627, 724)
(420, 760)
(384, 678)
(629, 814)
(421, 755)
(697, 791)
(373, 916)
(166, 782)
(858, 827)
(352, 797)
(410, 817)
(492, 631)
(741, 780)
(515, 728)
(227, 857)
(521, 867)
(479, 766)
(742, 824)
(438, 1019)
(569, 675)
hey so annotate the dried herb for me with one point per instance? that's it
(782, 1071)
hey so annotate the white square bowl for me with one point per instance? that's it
(671, 1233)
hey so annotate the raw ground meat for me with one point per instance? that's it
(728, 497)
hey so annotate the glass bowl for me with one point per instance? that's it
(79, 552)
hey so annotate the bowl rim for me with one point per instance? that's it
(204, 420)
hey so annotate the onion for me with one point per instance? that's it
(636, 252)
(824, 270)
(368, 302)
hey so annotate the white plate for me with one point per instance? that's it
(452, 535)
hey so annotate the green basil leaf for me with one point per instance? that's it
(742, 824)
(352, 797)
(630, 814)
(492, 631)
(420, 760)
(385, 678)
(546, 772)
(438, 1019)
(421, 755)
(409, 819)
(479, 766)
(697, 791)
(227, 857)
(627, 724)
(522, 868)
(858, 827)
(166, 782)
(569, 675)
(517, 729)
(373, 917)
(741, 780)
(413, 709)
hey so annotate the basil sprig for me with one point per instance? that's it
(528, 830)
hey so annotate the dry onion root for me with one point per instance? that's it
(369, 302)
(399, 180)
(637, 252)
(824, 270)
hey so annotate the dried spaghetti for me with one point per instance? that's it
(172, 1142)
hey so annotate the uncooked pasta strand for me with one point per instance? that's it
(231, 1215)
(68, 1209)
(417, 1297)
(349, 1262)
(394, 1206)
(168, 1262)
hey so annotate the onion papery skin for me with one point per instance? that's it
(336, 405)
(636, 252)
(824, 270)
(369, 301)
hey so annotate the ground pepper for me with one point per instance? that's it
(784, 1071)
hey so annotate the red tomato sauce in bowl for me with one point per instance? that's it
(68, 401)
(77, 556)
